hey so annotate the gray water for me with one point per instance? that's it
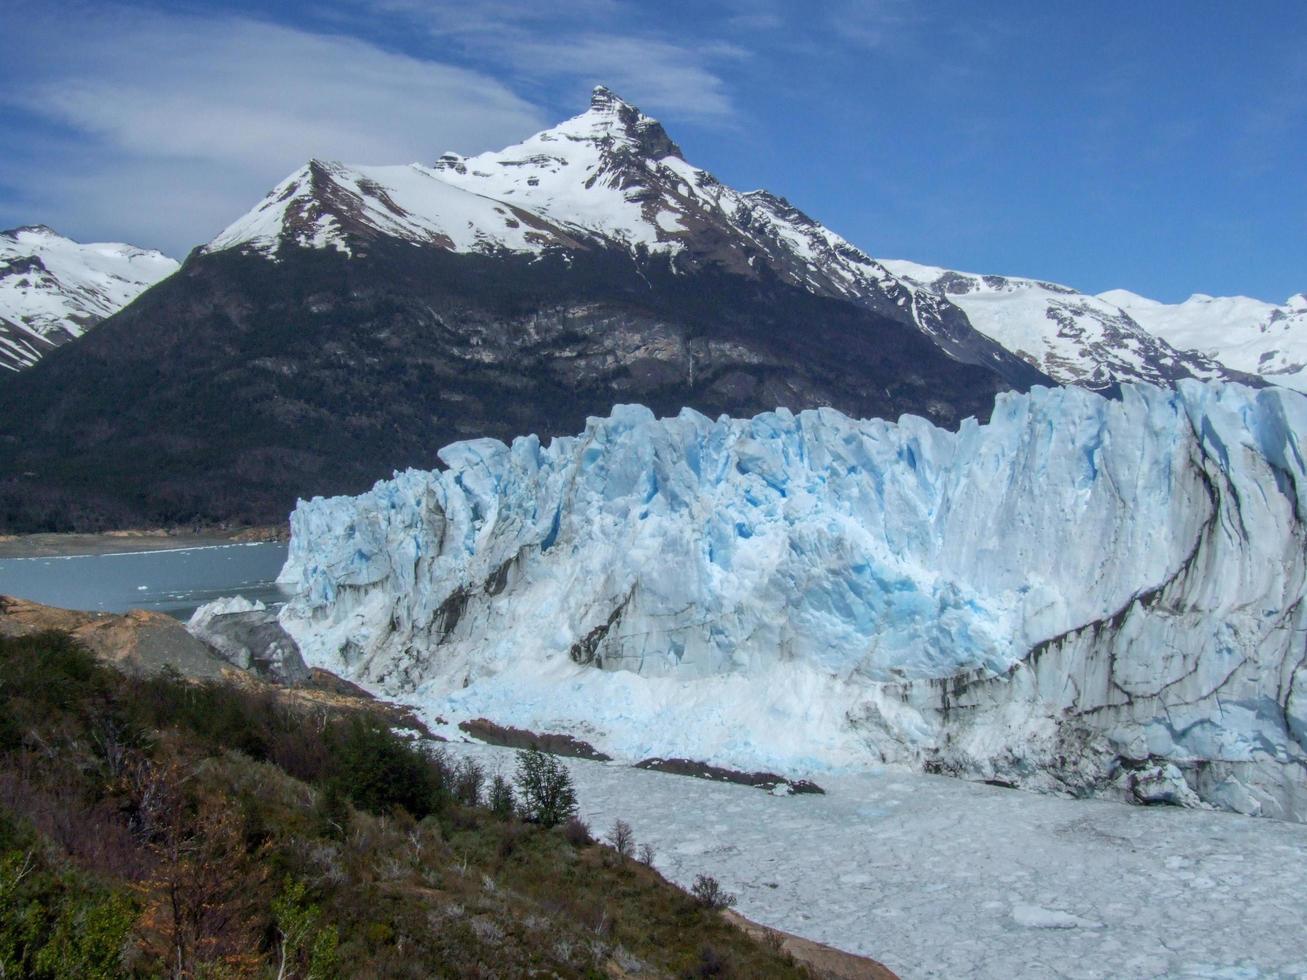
(175, 581)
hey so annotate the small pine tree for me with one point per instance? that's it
(545, 785)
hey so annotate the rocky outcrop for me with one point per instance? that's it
(141, 644)
(138, 642)
(248, 636)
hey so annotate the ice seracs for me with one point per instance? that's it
(53, 289)
(1083, 595)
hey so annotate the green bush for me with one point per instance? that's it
(379, 770)
(545, 785)
(58, 923)
(45, 676)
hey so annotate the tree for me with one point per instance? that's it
(468, 778)
(202, 894)
(379, 770)
(304, 948)
(545, 785)
(621, 839)
(708, 892)
(502, 803)
(647, 853)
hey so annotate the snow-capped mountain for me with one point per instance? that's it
(1089, 341)
(1083, 595)
(53, 289)
(1244, 334)
(609, 178)
(612, 178)
(361, 317)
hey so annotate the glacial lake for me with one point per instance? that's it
(175, 581)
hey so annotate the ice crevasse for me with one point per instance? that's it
(1084, 595)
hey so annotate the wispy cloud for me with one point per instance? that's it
(872, 23)
(653, 73)
(209, 113)
(587, 42)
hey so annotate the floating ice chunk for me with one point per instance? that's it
(1037, 917)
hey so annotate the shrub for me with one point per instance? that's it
(305, 947)
(331, 811)
(711, 963)
(468, 778)
(577, 832)
(42, 676)
(708, 892)
(57, 923)
(621, 839)
(548, 796)
(379, 770)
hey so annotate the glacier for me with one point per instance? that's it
(1085, 596)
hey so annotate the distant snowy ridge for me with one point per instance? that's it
(1084, 595)
(1073, 338)
(53, 289)
(1244, 334)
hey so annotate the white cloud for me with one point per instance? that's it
(188, 119)
(585, 41)
(654, 74)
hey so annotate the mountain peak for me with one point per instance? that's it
(43, 230)
(602, 97)
(612, 116)
(53, 289)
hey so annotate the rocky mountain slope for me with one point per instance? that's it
(1084, 595)
(359, 318)
(53, 289)
(1100, 341)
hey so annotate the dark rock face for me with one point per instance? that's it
(254, 641)
(769, 781)
(242, 383)
(554, 743)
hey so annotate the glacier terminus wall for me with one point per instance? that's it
(1084, 596)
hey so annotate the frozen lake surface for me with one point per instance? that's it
(936, 877)
(174, 580)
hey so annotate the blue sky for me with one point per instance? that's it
(1154, 146)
